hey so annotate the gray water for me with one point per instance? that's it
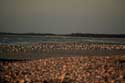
(28, 40)
(31, 39)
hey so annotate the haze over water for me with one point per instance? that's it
(62, 16)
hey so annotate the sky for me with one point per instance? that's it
(62, 16)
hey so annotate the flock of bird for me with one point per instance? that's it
(65, 46)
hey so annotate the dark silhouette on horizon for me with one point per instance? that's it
(71, 34)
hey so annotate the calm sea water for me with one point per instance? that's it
(32, 39)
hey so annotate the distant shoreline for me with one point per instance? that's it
(68, 35)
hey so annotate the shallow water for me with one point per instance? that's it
(4, 39)
(29, 40)
(60, 53)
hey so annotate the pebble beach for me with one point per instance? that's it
(64, 62)
(81, 69)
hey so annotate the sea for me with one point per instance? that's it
(16, 39)
(29, 40)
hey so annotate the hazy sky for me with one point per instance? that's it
(62, 16)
